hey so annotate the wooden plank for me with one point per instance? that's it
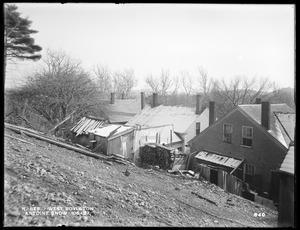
(76, 127)
(27, 142)
(60, 123)
(83, 127)
(61, 144)
(21, 128)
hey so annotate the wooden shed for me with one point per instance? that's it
(79, 133)
(113, 139)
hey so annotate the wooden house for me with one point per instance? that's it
(186, 122)
(256, 136)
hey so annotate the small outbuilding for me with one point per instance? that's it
(113, 139)
(79, 133)
(286, 202)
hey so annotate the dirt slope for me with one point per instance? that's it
(46, 185)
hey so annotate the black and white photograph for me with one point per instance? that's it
(149, 115)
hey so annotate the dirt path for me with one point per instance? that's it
(46, 185)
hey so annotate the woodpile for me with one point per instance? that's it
(156, 155)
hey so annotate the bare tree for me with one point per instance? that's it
(176, 85)
(187, 84)
(240, 90)
(123, 82)
(103, 80)
(204, 81)
(161, 84)
(166, 83)
(153, 83)
(60, 87)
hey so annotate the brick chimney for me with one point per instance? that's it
(212, 117)
(257, 101)
(154, 100)
(198, 104)
(265, 114)
(142, 100)
(112, 98)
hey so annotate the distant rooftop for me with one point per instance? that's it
(122, 110)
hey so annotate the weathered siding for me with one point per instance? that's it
(286, 201)
(122, 145)
(265, 155)
(101, 144)
(226, 181)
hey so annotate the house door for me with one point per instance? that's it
(214, 176)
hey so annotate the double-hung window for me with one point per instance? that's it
(227, 133)
(247, 136)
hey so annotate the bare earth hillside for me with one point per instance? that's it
(46, 185)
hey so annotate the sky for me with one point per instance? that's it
(226, 40)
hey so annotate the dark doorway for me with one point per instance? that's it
(214, 176)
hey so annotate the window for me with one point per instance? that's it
(197, 128)
(247, 136)
(227, 133)
(249, 174)
(249, 169)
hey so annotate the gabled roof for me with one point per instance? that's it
(288, 163)
(121, 110)
(180, 117)
(86, 124)
(253, 112)
(276, 128)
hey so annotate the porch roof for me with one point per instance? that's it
(219, 159)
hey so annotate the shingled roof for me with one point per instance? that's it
(276, 127)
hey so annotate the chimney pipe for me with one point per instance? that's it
(154, 100)
(211, 112)
(112, 98)
(265, 114)
(142, 100)
(198, 104)
(257, 101)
